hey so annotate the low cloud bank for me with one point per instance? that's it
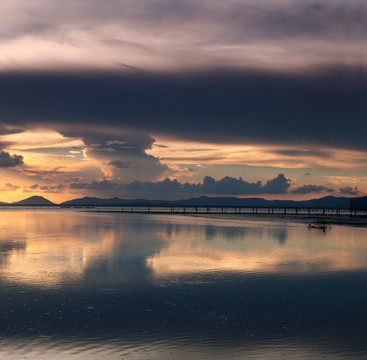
(308, 189)
(209, 186)
(225, 186)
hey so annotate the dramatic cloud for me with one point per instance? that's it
(209, 186)
(285, 80)
(121, 153)
(226, 186)
(325, 108)
(308, 189)
(278, 185)
(7, 160)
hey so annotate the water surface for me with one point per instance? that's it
(83, 285)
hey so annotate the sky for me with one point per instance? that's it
(175, 99)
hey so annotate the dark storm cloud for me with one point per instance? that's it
(348, 190)
(308, 189)
(278, 185)
(321, 107)
(123, 151)
(7, 160)
(226, 186)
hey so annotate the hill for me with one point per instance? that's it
(34, 201)
(330, 202)
(93, 201)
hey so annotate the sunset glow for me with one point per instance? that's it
(183, 179)
(96, 97)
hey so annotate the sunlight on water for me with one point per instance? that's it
(84, 285)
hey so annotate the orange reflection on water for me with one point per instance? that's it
(55, 247)
(260, 247)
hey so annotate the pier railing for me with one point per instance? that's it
(214, 210)
(192, 210)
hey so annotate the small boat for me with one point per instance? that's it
(323, 225)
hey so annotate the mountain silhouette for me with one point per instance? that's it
(35, 201)
(328, 202)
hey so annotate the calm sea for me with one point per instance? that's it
(83, 285)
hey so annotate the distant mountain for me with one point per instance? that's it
(358, 203)
(34, 201)
(93, 201)
(330, 202)
(201, 201)
(234, 201)
(325, 202)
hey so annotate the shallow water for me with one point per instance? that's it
(79, 285)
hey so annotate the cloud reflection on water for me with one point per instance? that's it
(42, 249)
(91, 286)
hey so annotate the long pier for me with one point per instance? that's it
(222, 210)
(207, 210)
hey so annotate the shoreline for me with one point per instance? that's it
(347, 220)
(358, 221)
